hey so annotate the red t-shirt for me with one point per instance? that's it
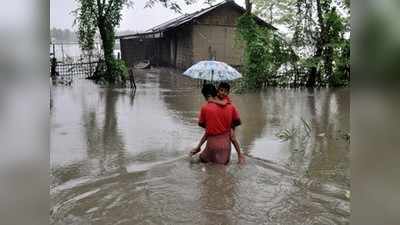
(217, 119)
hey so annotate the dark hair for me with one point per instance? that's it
(224, 85)
(209, 90)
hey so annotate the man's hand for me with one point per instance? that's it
(194, 151)
(241, 159)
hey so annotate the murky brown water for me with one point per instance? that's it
(120, 157)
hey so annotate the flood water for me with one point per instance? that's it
(121, 157)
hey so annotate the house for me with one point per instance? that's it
(181, 42)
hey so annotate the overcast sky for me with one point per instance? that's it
(136, 18)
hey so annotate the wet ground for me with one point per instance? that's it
(121, 157)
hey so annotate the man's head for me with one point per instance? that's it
(208, 91)
(223, 90)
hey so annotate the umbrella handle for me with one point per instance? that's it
(212, 75)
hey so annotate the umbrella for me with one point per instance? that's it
(213, 71)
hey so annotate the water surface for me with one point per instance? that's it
(120, 157)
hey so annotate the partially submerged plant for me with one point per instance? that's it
(286, 134)
(307, 126)
(344, 135)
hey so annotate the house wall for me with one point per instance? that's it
(174, 49)
(181, 47)
(134, 50)
(214, 35)
(138, 49)
(164, 52)
(211, 35)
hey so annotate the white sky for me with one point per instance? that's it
(137, 18)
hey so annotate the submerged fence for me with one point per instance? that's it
(75, 70)
(70, 52)
(67, 60)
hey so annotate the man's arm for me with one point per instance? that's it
(202, 117)
(235, 118)
(198, 147)
(236, 122)
(202, 123)
(237, 147)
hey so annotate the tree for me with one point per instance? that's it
(102, 16)
(249, 6)
(331, 27)
(265, 52)
(318, 32)
(276, 12)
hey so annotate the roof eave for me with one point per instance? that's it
(137, 35)
(170, 26)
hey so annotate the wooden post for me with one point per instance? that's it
(62, 51)
(176, 50)
(90, 63)
(132, 79)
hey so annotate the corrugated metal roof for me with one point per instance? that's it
(183, 19)
(188, 18)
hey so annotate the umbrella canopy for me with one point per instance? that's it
(212, 71)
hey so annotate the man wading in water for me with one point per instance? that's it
(218, 121)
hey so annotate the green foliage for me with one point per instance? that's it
(120, 70)
(342, 71)
(265, 52)
(86, 19)
(171, 4)
(276, 11)
(318, 33)
(102, 16)
(118, 73)
(100, 72)
(338, 49)
(256, 51)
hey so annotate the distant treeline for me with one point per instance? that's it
(63, 35)
(66, 35)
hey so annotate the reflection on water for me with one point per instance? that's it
(120, 157)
